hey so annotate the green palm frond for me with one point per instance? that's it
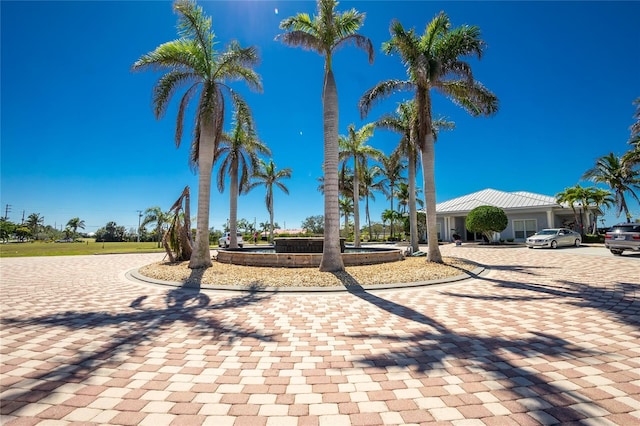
(300, 22)
(179, 54)
(381, 91)
(436, 28)
(460, 41)
(474, 98)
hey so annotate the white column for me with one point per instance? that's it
(550, 222)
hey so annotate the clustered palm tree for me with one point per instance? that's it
(268, 176)
(620, 173)
(193, 64)
(238, 153)
(353, 147)
(433, 61)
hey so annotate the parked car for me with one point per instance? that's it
(225, 240)
(623, 236)
(553, 238)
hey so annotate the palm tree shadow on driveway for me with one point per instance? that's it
(146, 321)
(487, 357)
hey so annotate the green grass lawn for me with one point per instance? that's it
(86, 246)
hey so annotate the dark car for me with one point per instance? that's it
(623, 236)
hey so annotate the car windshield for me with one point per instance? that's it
(548, 232)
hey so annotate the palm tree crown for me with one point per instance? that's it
(327, 31)
(75, 223)
(611, 170)
(353, 146)
(434, 61)
(268, 175)
(238, 154)
(192, 64)
(156, 216)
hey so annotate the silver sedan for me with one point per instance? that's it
(554, 237)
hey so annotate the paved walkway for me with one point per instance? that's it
(544, 337)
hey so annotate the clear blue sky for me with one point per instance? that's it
(79, 137)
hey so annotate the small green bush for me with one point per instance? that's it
(594, 239)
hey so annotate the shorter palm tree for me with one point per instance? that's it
(572, 196)
(34, 222)
(353, 146)
(611, 170)
(390, 169)
(155, 215)
(74, 224)
(390, 216)
(346, 207)
(600, 197)
(238, 153)
(267, 175)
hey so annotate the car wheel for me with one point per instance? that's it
(240, 245)
(554, 244)
(577, 243)
(616, 252)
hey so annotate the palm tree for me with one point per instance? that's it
(390, 216)
(326, 32)
(390, 168)
(34, 222)
(346, 207)
(268, 176)
(403, 194)
(74, 224)
(156, 215)
(367, 186)
(434, 61)
(600, 197)
(404, 121)
(611, 170)
(193, 63)
(238, 153)
(572, 196)
(354, 147)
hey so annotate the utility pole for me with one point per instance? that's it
(7, 209)
(139, 216)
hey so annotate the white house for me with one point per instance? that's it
(527, 213)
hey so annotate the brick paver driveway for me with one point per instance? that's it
(543, 337)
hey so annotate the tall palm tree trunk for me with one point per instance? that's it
(271, 222)
(413, 214)
(331, 256)
(366, 212)
(391, 186)
(425, 138)
(187, 213)
(356, 207)
(233, 206)
(201, 256)
(428, 161)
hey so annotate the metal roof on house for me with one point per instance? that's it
(493, 197)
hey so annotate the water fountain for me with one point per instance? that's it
(304, 252)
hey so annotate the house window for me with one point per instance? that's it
(523, 228)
